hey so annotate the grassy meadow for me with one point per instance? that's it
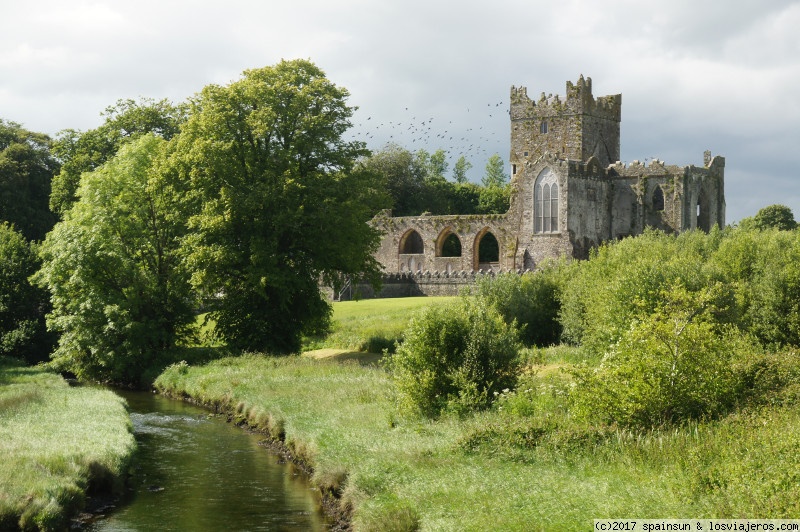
(526, 464)
(370, 325)
(57, 442)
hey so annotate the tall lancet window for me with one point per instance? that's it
(545, 203)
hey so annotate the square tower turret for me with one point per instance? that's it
(576, 128)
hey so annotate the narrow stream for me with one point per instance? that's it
(197, 472)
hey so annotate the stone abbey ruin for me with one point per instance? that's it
(569, 193)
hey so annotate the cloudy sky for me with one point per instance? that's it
(693, 74)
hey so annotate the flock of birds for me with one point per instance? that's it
(474, 133)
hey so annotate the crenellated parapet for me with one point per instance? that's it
(579, 100)
(461, 274)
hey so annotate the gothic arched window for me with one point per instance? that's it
(545, 203)
(411, 243)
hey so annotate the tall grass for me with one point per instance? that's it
(56, 443)
(530, 469)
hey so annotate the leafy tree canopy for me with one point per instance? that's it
(281, 203)
(85, 151)
(26, 170)
(495, 175)
(119, 292)
(416, 183)
(495, 198)
(22, 305)
(775, 216)
(460, 170)
(403, 176)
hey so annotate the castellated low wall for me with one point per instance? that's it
(418, 284)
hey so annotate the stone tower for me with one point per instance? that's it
(577, 128)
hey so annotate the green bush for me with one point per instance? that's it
(764, 266)
(673, 365)
(454, 358)
(531, 299)
(772, 378)
(624, 281)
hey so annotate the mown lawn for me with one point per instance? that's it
(525, 465)
(56, 442)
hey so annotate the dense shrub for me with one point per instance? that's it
(454, 358)
(772, 378)
(531, 299)
(624, 281)
(764, 266)
(675, 364)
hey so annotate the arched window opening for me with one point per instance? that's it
(412, 244)
(488, 249)
(451, 246)
(658, 199)
(545, 203)
(703, 219)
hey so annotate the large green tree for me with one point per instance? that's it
(282, 204)
(22, 305)
(82, 152)
(120, 295)
(777, 216)
(26, 170)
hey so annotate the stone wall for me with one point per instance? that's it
(434, 230)
(419, 284)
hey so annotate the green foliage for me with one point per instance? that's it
(402, 176)
(764, 267)
(495, 175)
(494, 200)
(81, 152)
(280, 203)
(772, 379)
(529, 300)
(624, 281)
(775, 217)
(416, 183)
(434, 165)
(22, 305)
(120, 294)
(495, 197)
(674, 364)
(26, 170)
(454, 358)
(460, 170)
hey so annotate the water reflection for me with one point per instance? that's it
(200, 473)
